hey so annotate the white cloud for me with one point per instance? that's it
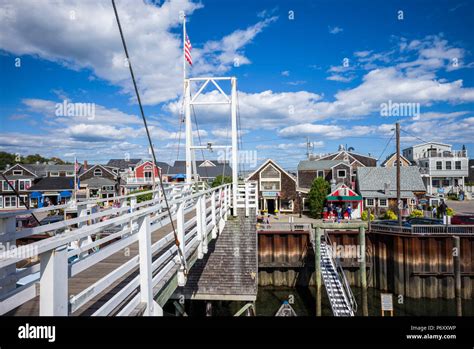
(285, 73)
(335, 30)
(84, 35)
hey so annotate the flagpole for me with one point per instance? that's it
(184, 52)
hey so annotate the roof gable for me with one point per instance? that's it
(268, 161)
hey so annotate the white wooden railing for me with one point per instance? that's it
(199, 216)
(247, 196)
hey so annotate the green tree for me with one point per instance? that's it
(221, 180)
(317, 195)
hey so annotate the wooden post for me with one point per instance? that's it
(399, 211)
(199, 227)
(182, 242)
(317, 265)
(363, 271)
(457, 274)
(54, 282)
(204, 224)
(7, 241)
(213, 215)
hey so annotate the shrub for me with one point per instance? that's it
(450, 211)
(365, 215)
(317, 195)
(390, 215)
(416, 213)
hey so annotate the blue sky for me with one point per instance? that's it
(316, 69)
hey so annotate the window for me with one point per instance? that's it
(6, 187)
(439, 165)
(70, 173)
(286, 205)
(108, 187)
(448, 165)
(17, 172)
(457, 165)
(10, 201)
(369, 202)
(341, 173)
(270, 185)
(305, 204)
(436, 183)
(97, 172)
(320, 173)
(25, 200)
(54, 174)
(1, 201)
(412, 201)
(24, 184)
(147, 174)
(383, 203)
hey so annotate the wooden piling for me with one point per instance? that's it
(363, 271)
(317, 267)
(457, 274)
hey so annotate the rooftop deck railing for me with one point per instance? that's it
(429, 229)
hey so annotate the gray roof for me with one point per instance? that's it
(371, 181)
(318, 164)
(97, 182)
(221, 168)
(42, 169)
(122, 163)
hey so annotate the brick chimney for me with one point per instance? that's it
(85, 165)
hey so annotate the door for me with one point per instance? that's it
(271, 205)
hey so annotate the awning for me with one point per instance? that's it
(179, 176)
(35, 195)
(344, 198)
(65, 194)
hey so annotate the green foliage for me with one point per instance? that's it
(450, 211)
(221, 180)
(317, 195)
(365, 215)
(389, 214)
(143, 197)
(453, 196)
(11, 159)
(416, 213)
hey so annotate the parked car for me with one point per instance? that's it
(463, 219)
(424, 221)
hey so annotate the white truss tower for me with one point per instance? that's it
(191, 169)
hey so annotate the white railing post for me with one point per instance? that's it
(204, 224)
(82, 212)
(146, 279)
(199, 227)
(226, 202)
(182, 243)
(7, 242)
(54, 283)
(213, 215)
(247, 201)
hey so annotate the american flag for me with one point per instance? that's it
(187, 50)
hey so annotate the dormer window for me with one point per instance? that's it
(54, 174)
(97, 172)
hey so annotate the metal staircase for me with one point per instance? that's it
(340, 295)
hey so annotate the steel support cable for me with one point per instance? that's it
(176, 240)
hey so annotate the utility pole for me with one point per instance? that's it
(399, 210)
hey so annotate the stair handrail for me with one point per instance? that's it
(345, 283)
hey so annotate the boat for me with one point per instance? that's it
(286, 310)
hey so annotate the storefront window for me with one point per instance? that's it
(286, 205)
